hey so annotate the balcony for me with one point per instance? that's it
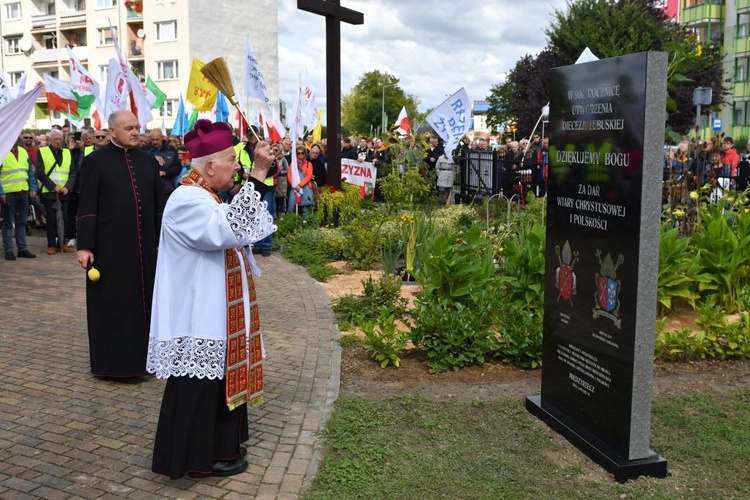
(43, 21)
(72, 19)
(44, 57)
(702, 14)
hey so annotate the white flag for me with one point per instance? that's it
(295, 130)
(310, 110)
(4, 91)
(13, 117)
(255, 87)
(116, 95)
(83, 84)
(19, 88)
(402, 121)
(451, 119)
(139, 104)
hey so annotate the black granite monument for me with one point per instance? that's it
(604, 192)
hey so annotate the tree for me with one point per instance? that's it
(520, 99)
(361, 108)
(611, 28)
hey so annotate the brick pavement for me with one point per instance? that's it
(66, 434)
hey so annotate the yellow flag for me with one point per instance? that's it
(318, 130)
(200, 92)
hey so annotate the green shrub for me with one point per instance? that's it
(521, 333)
(332, 243)
(722, 248)
(676, 265)
(363, 245)
(383, 340)
(384, 292)
(407, 189)
(454, 313)
(454, 217)
(522, 266)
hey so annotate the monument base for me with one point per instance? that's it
(601, 453)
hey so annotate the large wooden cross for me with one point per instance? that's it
(334, 14)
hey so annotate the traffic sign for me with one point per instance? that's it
(717, 124)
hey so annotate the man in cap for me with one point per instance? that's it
(205, 329)
(119, 216)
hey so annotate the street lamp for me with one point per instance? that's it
(382, 106)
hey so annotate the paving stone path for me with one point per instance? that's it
(65, 434)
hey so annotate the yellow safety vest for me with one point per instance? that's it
(60, 173)
(14, 174)
(88, 150)
(243, 158)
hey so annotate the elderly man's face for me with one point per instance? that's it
(156, 138)
(222, 170)
(56, 141)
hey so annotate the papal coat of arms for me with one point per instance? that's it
(565, 278)
(607, 297)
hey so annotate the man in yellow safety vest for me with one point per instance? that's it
(17, 183)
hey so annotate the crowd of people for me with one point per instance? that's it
(697, 164)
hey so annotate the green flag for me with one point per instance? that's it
(193, 118)
(160, 96)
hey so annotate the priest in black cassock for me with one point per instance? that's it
(119, 219)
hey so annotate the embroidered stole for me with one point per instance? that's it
(244, 357)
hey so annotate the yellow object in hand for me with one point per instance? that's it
(93, 274)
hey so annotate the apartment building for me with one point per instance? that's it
(160, 38)
(726, 23)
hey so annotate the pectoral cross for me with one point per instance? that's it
(334, 14)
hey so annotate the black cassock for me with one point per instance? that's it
(119, 219)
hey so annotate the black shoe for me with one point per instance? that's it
(256, 250)
(224, 468)
(9, 256)
(266, 252)
(26, 254)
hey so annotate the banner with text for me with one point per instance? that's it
(360, 174)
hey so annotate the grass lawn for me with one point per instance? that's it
(412, 448)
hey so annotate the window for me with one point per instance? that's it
(166, 70)
(105, 37)
(739, 74)
(103, 72)
(168, 108)
(166, 31)
(105, 4)
(12, 45)
(13, 78)
(12, 11)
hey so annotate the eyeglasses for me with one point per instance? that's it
(100, 136)
(300, 153)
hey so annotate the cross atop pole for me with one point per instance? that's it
(334, 14)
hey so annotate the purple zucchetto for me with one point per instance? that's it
(208, 138)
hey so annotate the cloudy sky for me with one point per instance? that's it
(434, 48)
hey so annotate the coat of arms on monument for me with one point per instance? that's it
(565, 278)
(607, 296)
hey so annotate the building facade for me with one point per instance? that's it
(159, 38)
(726, 23)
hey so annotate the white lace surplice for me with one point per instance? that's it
(187, 333)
